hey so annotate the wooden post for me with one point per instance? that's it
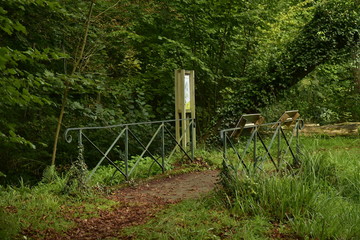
(177, 104)
(192, 107)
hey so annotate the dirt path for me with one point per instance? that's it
(138, 204)
(174, 188)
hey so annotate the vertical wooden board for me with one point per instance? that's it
(177, 107)
(192, 92)
(183, 110)
(187, 91)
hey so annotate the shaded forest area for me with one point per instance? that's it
(87, 63)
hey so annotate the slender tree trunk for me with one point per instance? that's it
(357, 68)
(67, 84)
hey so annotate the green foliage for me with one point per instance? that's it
(325, 96)
(25, 84)
(320, 201)
(31, 210)
(142, 168)
(9, 227)
(50, 175)
(284, 59)
(77, 176)
(244, 55)
(210, 154)
(26, 208)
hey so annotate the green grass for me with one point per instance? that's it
(319, 200)
(36, 208)
(199, 219)
(146, 167)
(213, 156)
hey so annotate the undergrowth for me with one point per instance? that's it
(320, 200)
(28, 210)
(145, 167)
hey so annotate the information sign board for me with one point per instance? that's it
(187, 95)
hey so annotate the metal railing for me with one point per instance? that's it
(125, 132)
(260, 143)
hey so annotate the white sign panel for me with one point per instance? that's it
(187, 92)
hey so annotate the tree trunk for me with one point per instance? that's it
(356, 71)
(67, 84)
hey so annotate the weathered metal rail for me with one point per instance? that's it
(125, 133)
(257, 142)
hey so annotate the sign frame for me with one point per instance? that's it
(185, 107)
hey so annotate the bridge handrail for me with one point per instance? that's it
(68, 137)
(299, 121)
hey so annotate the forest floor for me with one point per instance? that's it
(136, 205)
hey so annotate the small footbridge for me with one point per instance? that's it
(252, 145)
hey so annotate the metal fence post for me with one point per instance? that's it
(81, 147)
(279, 144)
(127, 152)
(223, 135)
(255, 141)
(297, 142)
(163, 147)
(192, 138)
(80, 137)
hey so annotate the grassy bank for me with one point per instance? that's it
(321, 200)
(54, 203)
(45, 207)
